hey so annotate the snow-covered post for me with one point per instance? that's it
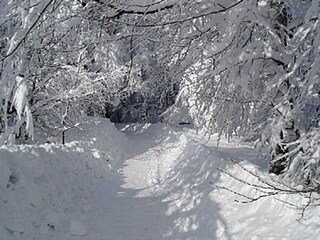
(21, 104)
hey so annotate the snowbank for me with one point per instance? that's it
(105, 140)
(46, 190)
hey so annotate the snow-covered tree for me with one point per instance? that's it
(250, 69)
(241, 67)
(295, 122)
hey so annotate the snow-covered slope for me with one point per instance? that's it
(146, 182)
(50, 191)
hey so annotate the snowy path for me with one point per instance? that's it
(138, 200)
(165, 193)
(166, 189)
(152, 183)
(155, 200)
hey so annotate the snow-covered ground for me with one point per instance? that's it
(141, 183)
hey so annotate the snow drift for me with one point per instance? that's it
(146, 182)
(46, 190)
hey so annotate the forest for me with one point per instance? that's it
(235, 69)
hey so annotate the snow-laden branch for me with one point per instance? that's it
(30, 22)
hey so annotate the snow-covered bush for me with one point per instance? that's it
(80, 58)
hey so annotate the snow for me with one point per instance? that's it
(20, 102)
(77, 228)
(262, 3)
(138, 182)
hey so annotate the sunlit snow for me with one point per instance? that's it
(143, 182)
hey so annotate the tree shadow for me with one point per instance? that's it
(178, 202)
(180, 205)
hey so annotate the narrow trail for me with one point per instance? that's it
(138, 198)
(164, 192)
